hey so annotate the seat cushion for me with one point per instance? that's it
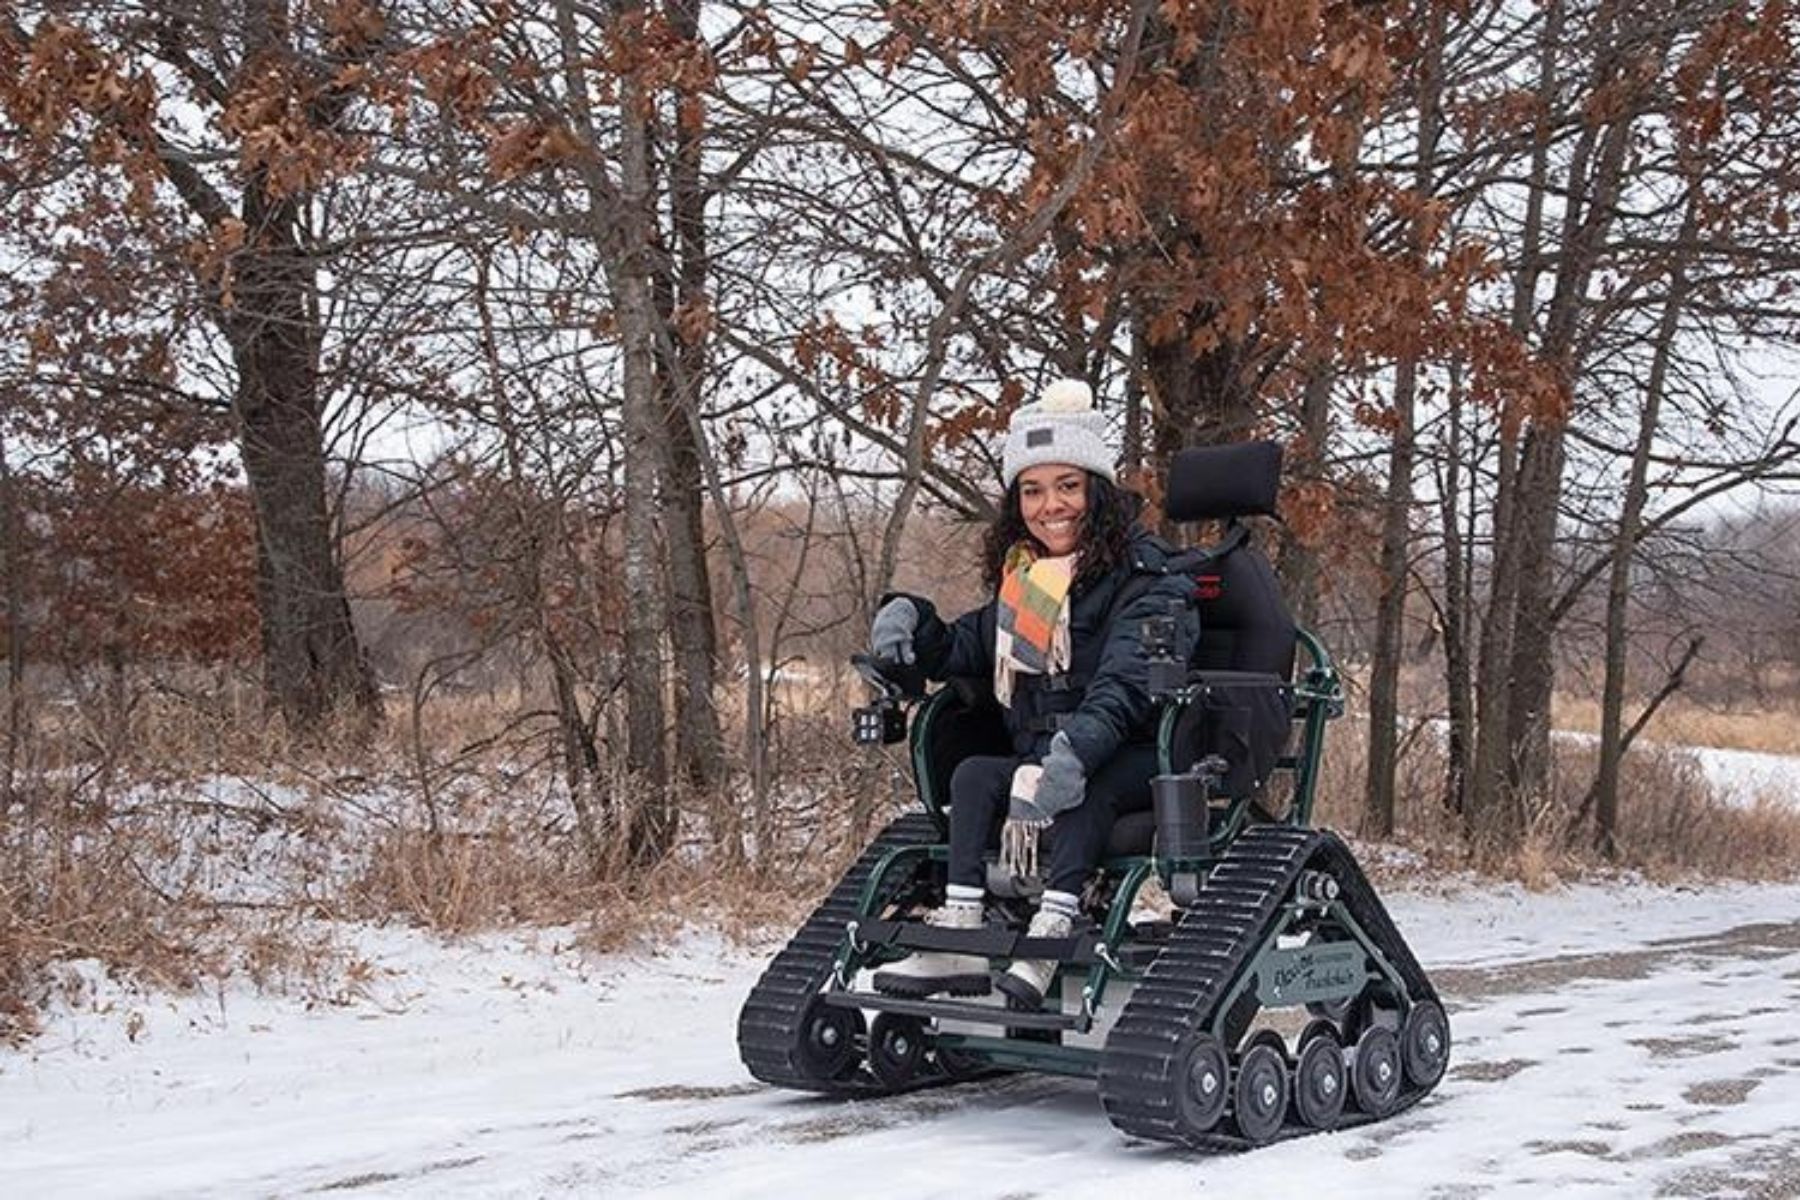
(1132, 834)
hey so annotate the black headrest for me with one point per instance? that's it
(1211, 483)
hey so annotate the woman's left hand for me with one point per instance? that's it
(1063, 785)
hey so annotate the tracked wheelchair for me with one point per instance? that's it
(1270, 995)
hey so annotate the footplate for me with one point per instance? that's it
(959, 1010)
(1080, 949)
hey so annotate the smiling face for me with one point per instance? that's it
(1052, 500)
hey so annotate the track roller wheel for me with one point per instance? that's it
(1425, 1043)
(828, 1040)
(1320, 1082)
(1259, 1097)
(1202, 1083)
(1375, 1074)
(896, 1048)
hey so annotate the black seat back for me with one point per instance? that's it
(1247, 633)
(1245, 623)
(961, 720)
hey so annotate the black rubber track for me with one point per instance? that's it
(1212, 943)
(769, 1025)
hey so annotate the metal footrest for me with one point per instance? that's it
(1078, 949)
(957, 1010)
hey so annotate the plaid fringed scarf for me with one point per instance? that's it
(1032, 631)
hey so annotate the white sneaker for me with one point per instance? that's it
(1027, 981)
(927, 972)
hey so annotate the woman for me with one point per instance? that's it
(1073, 577)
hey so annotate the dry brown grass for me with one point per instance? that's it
(184, 839)
(1682, 722)
(1671, 826)
(1691, 717)
(74, 885)
(121, 857)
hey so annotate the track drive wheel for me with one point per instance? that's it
(1259, 1097)
(1425, 1043)
(828, 1040)
(1375, 1074)
(1202, 1083)
(1320, 1082)
(896, 1048)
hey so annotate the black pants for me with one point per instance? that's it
(980, 790)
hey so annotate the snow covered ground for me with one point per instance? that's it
(1744, 777)
(1611, 1041)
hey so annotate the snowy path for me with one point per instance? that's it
(1623, 1042)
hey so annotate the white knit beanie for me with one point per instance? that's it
(1061, 426)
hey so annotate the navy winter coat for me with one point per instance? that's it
(1103, 700)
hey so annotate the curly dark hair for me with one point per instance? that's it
(1106, 529)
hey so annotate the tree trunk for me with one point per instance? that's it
(1457, 625)
(1612, 702)
(313, 665)
(1495, 815)
(1533, 675)
(1198, 400)
(12, 570)
(581, 758)
(1131, 453)
(1585, 226)
(1390, 613)
(699, 745)
(630, 269)
(1199, 397)
(1299, 563)
(1396, 522)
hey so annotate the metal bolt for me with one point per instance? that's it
(1328, 1085)
(829, 1035)
(902, 1047)
(1384, 1072)
(1268, 1095)
(1434, 1043)
(1209, 1083)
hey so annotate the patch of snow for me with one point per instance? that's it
(1740, 778)
(1612, 1040)
(1746, 777)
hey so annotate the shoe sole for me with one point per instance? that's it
(913, 988)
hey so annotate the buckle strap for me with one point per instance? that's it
(1066, 681)
(1047, 723)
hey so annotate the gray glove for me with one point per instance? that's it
(1062, 786)
(891, 636)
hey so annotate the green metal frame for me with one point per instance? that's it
(917, 740)
(1319, 695)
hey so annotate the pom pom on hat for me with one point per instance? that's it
(1066, 395)
(1061, 426)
